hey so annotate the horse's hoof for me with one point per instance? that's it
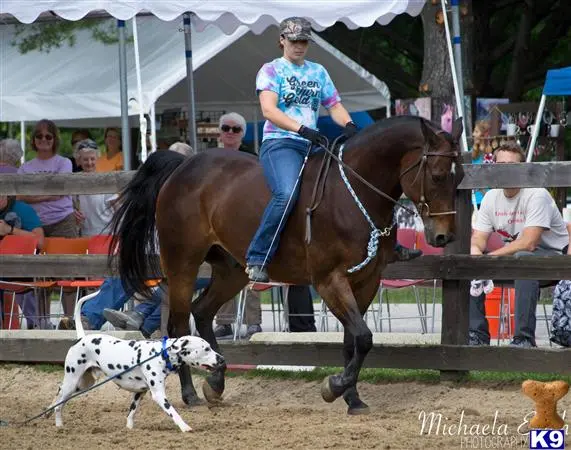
(362, 409)
(326, 391)
(193, 400)
(210, 394)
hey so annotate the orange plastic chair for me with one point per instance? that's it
(65, 246)
(17, 245)
(96, 245)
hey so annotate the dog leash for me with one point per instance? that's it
(163, 353)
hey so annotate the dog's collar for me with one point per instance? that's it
(165, 354)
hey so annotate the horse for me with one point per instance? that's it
(206, 208)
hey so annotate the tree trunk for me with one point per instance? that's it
(436, 80)
(515, 81)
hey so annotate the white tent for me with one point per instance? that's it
(227, 15)
(80, 82)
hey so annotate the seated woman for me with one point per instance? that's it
(55, 211)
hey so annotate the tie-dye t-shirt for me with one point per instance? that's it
(300, 89)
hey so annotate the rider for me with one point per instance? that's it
(291, 91)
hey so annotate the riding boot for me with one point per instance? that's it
(405, 254)
(257, 274)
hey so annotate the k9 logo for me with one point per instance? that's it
(551, 439)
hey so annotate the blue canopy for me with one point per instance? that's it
(558, 82)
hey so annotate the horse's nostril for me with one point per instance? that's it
(441, 240)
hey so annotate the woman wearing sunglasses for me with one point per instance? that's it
(55, 211)
(232, 129)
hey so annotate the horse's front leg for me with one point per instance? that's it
(340, 299)
(351, 396)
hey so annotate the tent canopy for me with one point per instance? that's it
(82, 82)
(227, 15)
(558, 82)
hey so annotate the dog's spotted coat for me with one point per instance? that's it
(102, 353)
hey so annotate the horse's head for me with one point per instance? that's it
(429, 177)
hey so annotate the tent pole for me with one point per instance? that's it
(256, 132)
(459, 99)
(125, 132)
(23, 140)
(153, 128)
(457, 46)
(142, 120)
(190, 80)
(536, 129)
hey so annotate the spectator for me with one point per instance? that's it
(113, 158)
(20, 219)
(531, 225)
(10, 155)
(55, 211)
(146, 316)
(77, 136)
(182, 148)
(232, 129)
(94, 211)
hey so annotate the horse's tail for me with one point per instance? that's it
(133, 223)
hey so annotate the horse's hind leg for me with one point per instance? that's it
(337, 293)
(180, 289)
(228, 278)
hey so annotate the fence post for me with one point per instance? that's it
(455, 293)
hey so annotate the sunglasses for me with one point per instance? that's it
(47, 137)
(227, 128)
(87, 143)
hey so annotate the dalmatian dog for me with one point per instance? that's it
(97, 354)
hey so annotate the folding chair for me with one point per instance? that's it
(428, 249)
(18, 245)
(65, 246)
(260, 287)
(407, 237)
(96, 245)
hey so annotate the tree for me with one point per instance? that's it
(508, 46)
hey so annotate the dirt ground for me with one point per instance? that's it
(266, 414)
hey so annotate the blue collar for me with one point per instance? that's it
(165, 355)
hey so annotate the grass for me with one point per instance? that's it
(397, 296)
(374, 376)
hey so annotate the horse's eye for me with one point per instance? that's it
(440, 178)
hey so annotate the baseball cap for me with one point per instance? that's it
(296, 29)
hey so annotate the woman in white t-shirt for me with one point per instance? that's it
(93, 211)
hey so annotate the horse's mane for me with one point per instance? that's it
(376, 129)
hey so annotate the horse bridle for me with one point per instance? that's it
(422, 162)
(422, 204)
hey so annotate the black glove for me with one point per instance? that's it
(314, 136)
(350, 130)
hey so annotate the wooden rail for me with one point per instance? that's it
(447, 268)
(543, 174)
(446, 358)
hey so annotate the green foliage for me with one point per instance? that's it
(44, 37)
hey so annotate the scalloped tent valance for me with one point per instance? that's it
(228, 16)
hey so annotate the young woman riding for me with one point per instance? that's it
(291, 91)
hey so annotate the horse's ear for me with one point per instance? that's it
(429, 135)
(457, 128)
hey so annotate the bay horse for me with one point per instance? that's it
(206, 208)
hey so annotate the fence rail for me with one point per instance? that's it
(543, 174)
(447, 268)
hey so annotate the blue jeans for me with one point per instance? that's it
(281, 161)
(112, 295)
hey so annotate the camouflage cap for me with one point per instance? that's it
(296, 29)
